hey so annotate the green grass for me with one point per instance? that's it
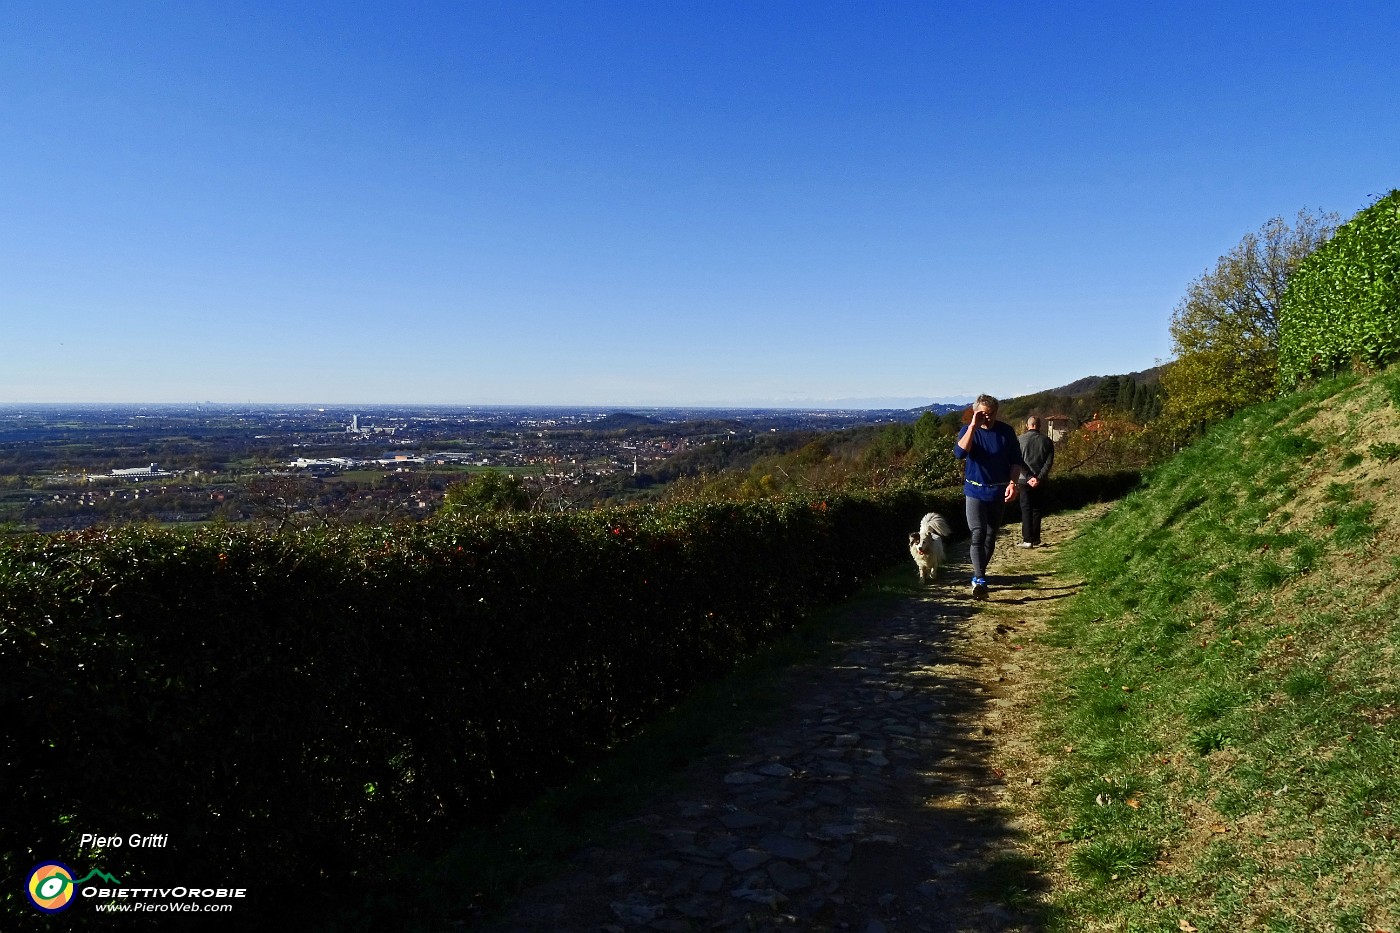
(1386, 452)
(1258, 739)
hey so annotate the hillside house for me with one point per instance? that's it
(1057, 427)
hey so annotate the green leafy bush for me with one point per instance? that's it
(492, 491)
(1342, 306)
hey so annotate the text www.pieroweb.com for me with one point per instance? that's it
(166, 907)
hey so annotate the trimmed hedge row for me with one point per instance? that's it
(291, 709)
(1342, 305)
(328, 696)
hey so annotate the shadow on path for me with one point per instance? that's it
(871, 804)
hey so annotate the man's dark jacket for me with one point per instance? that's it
(1039, 453)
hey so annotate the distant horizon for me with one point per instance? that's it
(850, 404)
(845, 403)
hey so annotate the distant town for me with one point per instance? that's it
(71, 467)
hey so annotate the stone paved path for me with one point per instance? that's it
(878, 802)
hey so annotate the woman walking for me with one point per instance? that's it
(993, 462)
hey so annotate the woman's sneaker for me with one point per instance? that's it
(979, 588)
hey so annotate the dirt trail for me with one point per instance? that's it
(889, 796)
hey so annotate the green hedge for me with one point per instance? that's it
(293, 709)
(1342, 305)
(324, 698)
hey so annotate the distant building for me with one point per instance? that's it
(354, 428)
(1057, 427)
(153, 470)
(327, 463)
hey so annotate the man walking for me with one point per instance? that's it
(1039, 453)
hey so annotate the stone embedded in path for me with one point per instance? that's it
(723, 843)
(637, 913)
(749, 796)
(787, 878)
(711, 882)
(742, 819)
(767, 898)
(786, 847)
(659, 867)
(869, 785)
(747, 859)
(698, 856)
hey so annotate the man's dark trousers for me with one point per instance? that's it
(1031, 503)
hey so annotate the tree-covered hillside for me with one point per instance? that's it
(1107, 427)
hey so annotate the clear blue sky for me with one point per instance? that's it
(650, 203)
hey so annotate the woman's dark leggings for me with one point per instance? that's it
(983, 520)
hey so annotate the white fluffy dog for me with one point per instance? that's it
(926, 545)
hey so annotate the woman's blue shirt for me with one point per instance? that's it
(989, 462)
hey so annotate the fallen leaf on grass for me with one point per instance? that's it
(1134, 802)
(1219, 828)
(1185, 927)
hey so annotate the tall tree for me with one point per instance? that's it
(1106, 395)
(1225, 329)
(1124, 402)
(929, 433)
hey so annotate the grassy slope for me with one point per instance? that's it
(1224, 733)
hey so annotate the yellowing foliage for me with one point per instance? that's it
(1225, 329)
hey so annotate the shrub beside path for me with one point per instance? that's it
(889, 795)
